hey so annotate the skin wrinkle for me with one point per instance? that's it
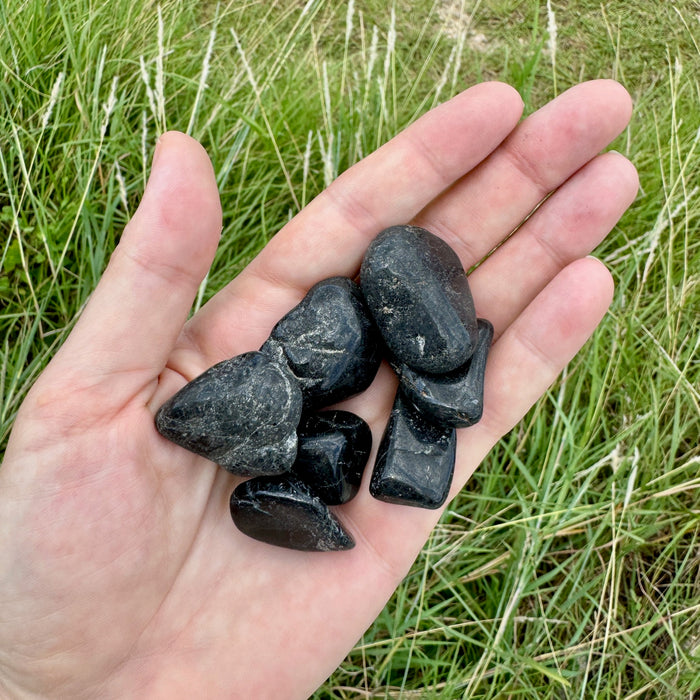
(517, 155)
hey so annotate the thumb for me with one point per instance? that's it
(130, 325)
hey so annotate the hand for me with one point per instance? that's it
(121, 573)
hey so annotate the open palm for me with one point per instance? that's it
(121, 573)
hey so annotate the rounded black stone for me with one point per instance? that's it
(329, 342)
(415, 460)
(455, 398)
(333, 450)
(418, 294)
(282, 511)
(241, 413)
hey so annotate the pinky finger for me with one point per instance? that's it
(532, 351)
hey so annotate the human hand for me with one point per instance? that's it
(121, 573)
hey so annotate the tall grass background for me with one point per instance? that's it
(570, 565)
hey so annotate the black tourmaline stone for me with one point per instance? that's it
(415, 460)
(329, 342)
(283, 511)
(456, 398)
(334, 447)
(417, 291)
(241, 413)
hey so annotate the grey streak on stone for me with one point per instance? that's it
(283, 511)
(329, 342)
(418, 294)
(455, 398)
(241, 413)
(415, 460)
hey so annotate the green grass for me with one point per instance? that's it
(570, 565)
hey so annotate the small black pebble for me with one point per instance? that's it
(334, 447)
(418, 294)
(282, 511)
(456, 398)
(415, 460)
(329, 342)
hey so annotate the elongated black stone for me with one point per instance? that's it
(283, 511)
(419, 296)
(415, 461)
(329, 342)
(455, 398)
(241, 413)
(334, 447)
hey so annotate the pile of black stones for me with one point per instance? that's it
(258, 414)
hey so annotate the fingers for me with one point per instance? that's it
(331, 234)
(138, 309)
(565, 228)
(542, 152)
(522, 364)
(569, 225)
(401, 181)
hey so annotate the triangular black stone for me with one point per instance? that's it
(241, 413)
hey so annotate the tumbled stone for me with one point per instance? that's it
(241, 413)
(455, 398)
(415, 461)
(419, 296)
(333, 450)
(329, 342)
(283, 511)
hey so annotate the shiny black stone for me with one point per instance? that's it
(455, 398)
(333, 450)
(419, 296)
(241, 413)
(329, 342)
(415, 460)
(283, 511)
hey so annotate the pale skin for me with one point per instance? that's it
(121, 573)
